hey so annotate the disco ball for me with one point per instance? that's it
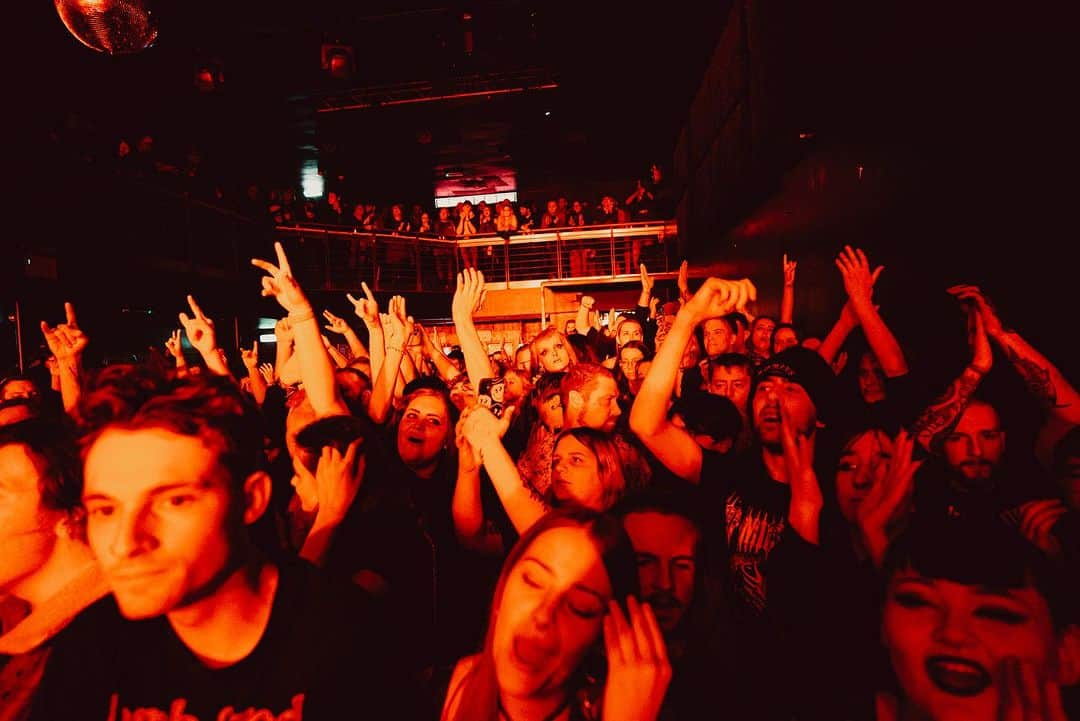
(115, 27)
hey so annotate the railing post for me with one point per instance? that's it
(375, 266)
(506, 259)
(558, 254)
(611, 236)
(419, 264)
(328, 282)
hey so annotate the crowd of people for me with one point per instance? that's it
(193, 171)
(689, 511)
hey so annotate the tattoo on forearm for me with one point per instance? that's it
(1035, 377)
(942, 415)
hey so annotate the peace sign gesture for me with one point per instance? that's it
(66, 341)
(281, 284)
(335, 324)
(173, 346)
(365, 308)
(199, 330)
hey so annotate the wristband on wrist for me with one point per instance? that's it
(301, 316)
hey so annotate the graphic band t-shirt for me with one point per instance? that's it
(324, 653)
(751, 508)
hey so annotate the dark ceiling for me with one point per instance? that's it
(625, 79)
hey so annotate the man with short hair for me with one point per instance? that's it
(590, 397)
(173, 481)
(718, 336)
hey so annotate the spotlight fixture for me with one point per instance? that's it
(338, 61)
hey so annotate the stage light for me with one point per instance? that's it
(115, 27)
(338, 61)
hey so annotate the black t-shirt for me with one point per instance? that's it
(750, 508)
(325, 652)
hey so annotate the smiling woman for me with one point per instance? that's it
(977, 625)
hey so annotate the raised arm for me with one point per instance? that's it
(673, 446)
(284, 365)
(368, 311)
(201, 336)
(468, 297)
(484, 432)
(250, 359)
(397, 326)
(582, 323)
(334, 324)
(176, 350)
(67, 342)
(433, 353)
(930, 428)
(316, 370)
(338, 477)
(467, 508)
(859, 284)
(787, 300)
(1041, 377)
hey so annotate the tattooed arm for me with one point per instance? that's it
(931, 427)
(1042, 378)
(934, 423)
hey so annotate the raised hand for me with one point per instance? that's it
(647, 282)
(365, 308)
(889, 500)
(334, 324)
(718, 297)
(855, 270)
(638, 668)
(199, 329)
(397, 325)
(250, 358)
(479, 425)
(806, 499)
(280, 283)
(1037, 519)
(173, 345)
(283, 332)
(337, 480)
(971, 295)
(1026, 697)
(588, 301)
(469, 459)
(469, 294)
(684, 281)
(266, 370)
(789, 270)
(66, 341)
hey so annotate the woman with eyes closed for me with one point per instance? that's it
(552, 352)
(978, 626)
(560, 595)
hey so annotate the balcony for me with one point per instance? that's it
(333, 258)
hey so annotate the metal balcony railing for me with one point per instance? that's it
(338, 259)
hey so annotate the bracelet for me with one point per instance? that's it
(302, 316)
(399, 349)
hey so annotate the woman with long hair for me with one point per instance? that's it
(564, 586)
(551, 351)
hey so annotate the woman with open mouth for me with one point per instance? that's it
(565, 639)
(978, 626)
